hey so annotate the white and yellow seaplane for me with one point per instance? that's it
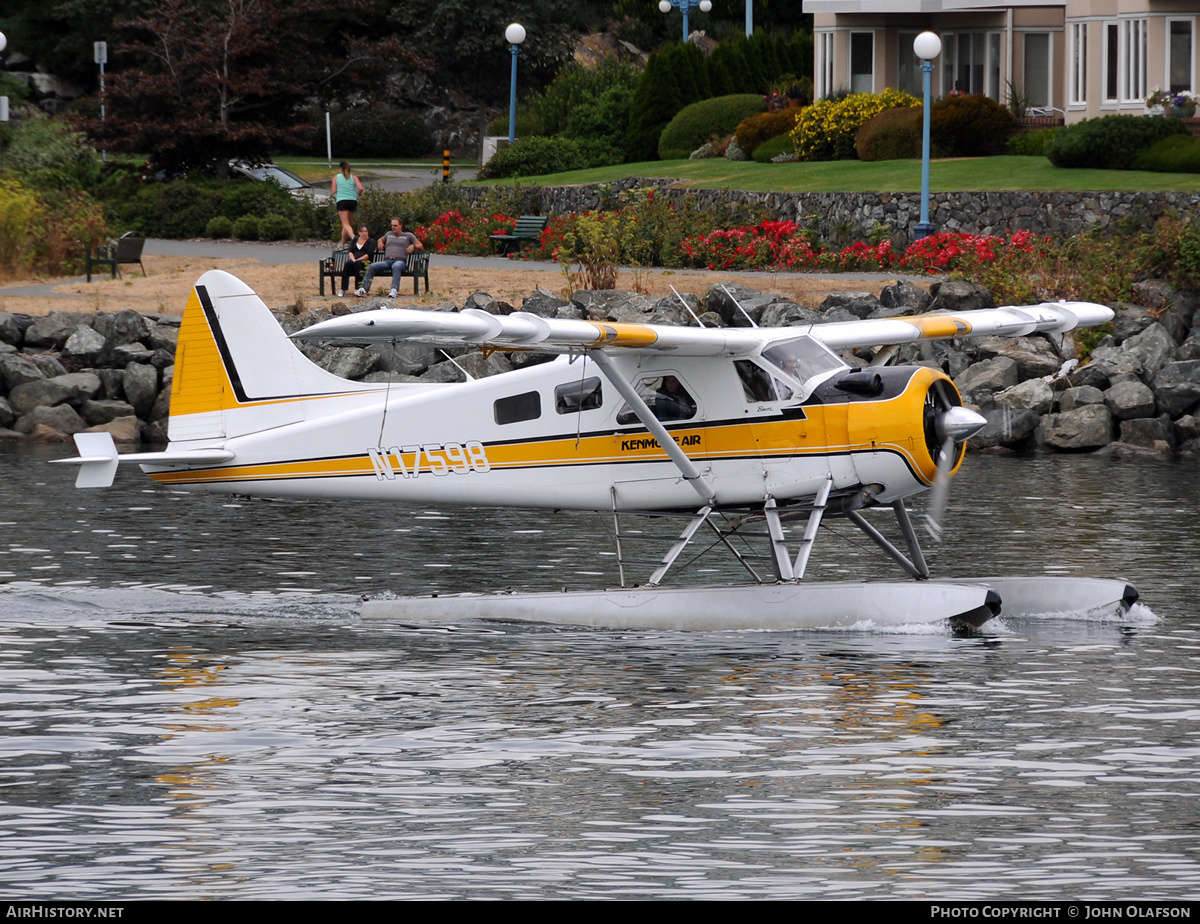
(734, 428)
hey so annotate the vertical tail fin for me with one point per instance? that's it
(236, 372)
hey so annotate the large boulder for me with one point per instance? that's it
(1129, 399)
(1153, 347)
(53, 330)
(1034, 395)
(955, 295)
(140, 384)
(1177, 387)
(1078, 396)
(980, 382)
(1087, 427)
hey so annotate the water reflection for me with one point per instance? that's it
(191, 707)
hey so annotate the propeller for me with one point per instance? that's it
(948, 425)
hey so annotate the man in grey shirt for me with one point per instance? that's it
(396, 245)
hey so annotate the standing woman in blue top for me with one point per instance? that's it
(346, 189)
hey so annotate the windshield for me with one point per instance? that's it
(806, 362)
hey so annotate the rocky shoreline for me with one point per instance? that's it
(1138, 392)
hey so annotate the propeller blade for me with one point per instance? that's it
(940, 492)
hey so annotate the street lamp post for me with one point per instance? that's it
(514, 35)
(683, 6)
(3, 99)
(926, 47)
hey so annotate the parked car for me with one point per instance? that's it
(297, 186)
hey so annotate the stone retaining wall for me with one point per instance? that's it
(856, 216)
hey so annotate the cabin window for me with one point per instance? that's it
(756, 382)
(666, 396)
(578, 396)
(516, 408)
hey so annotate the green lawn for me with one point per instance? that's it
(315, 169)
(980, 173)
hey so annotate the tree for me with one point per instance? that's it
(207, 81)
(467, 38)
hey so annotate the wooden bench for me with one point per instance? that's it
(126, 249)
(416, 267)
(527, 228)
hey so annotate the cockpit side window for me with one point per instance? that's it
(756, 383)
(666, 396)
(578, 396)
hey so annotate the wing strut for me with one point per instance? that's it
(690, 473)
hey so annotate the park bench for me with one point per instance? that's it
(527, 228)
(416, 267)
(125, 249)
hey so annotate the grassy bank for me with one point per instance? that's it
(976, 174)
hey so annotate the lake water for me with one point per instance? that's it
(190, 707)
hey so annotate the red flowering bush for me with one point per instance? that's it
(453, 232)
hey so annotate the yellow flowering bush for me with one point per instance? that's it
(826, 129)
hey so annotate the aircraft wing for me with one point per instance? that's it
(523, 330)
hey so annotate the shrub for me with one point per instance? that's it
(753, 131)
(375, 131)
(20, 222)
(968, 125)
(1110, 142)
(1173, 154)
(274, 228)
(826, 130)
(764, 153)
(246, 228)
(180, 208)
(537, 156)
(695, 124)
(894, 134)
(219, 227)
(254, 197)
(45, 152)
(1030, 144)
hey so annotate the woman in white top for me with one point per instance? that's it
(346, 189)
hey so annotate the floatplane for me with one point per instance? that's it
(727, 429)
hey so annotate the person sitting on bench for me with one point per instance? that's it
(396, 245)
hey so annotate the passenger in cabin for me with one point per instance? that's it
(791, 366)
(396, 245)
(672, 402)
(346, 189)
(358, 255)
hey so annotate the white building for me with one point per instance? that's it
(1078, 58)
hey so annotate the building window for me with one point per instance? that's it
(993, 89)
(971, 63)
(1037, 68)
(1078, 62)
(824, 68)
(1179, 55)
(1135, 60)
(862, 62)
(1112, 62)
(909, 78)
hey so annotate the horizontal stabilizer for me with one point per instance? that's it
(525, 330)
(98, 459)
